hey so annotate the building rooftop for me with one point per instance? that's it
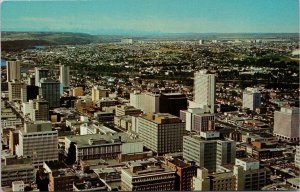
(161, 118)
(98, 139)
(179, 163)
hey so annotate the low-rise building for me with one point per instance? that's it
(107, 146)
(148, 178)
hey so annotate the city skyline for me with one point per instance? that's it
(152, 17)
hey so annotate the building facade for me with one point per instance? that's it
(152, 178)
(13, 70)
(286, 123)
(161, 132)
(251, 98)
(50, 90)
(39, 74)
(39, 142)
(14, 90)
(64, 76)
(205, 90)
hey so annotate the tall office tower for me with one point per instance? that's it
(40, 110)
(39, 74)
(286, 123)
(151, 102)
(136, 99)
(64, 76)
(297, 157)
(49, 89)
(207, 150)
(251, 98)
(29, 92)
(200, 42)
(14, 90)
(161, 132)
(172, 103)
(99, 92)
(226, 152)
(39, 142)
(13, 70)
(196, 120)
(31, 80)
(205, 90)
(147, 178)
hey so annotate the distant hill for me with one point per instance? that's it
(24, 40)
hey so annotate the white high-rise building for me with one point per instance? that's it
(251, 98)
(286, 123)
(64, 76)
(147, 102)
(13, 69)
(205, 90)
(39, 142)
(196, 120)
(39, 74)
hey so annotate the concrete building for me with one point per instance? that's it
(147, 102)
(205, 90)
(250, 176)
(161, 132)
(50, 90)
(99, 92)
(286, 123)
(29, 92)
(237, 178)
(226, 152)
(208, 151)
(97, 146)
(136, 99)
(184, 173)
(150, 178)
(172, 103)
(64, 75)
(13, 69)
(14, 90)
(205, 181)
(61, 178)
(251, 98)
(196, 120)
(122, 110)
(16, 169)
(39, 142)
(36, 110)
(39, 74)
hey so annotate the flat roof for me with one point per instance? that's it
(83, 140)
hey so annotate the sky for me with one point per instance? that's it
(151, 16)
